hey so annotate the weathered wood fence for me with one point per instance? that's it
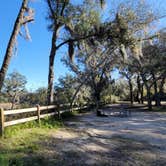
(38, 115)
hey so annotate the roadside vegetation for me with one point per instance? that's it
(23, 139)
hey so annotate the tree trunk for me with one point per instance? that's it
(161, 89)
(131, 92)
(13, 104)
(97, 103)
(11, 42)
(149, 99)
(98, 113)
(158, 100)
(51, 69)
(74, 96)
(14, 101)
(142, 93)
(51, 80)
(138, 90)
(156, 95)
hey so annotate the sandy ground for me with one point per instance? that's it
(90, 140)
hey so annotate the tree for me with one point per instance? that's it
(93, 64)
(120, 89)
(127, 73)
(25, 16)
(64, 89)
(58, 15)
(120, 34)
(161, 45)
(140, 89)
(151, 68)
(153, 71)
(14, 87)
(30, 99)
(132, 23)
(63, 14)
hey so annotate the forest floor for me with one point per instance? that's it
(85, 139)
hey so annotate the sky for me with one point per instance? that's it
(31, 57)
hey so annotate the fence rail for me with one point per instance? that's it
(38, 109)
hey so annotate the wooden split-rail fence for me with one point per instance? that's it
(38, 115)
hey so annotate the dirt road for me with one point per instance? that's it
(90, 140)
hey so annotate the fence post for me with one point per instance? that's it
(38, 112)
(2, 119)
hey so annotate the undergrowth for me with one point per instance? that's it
(24, 139)
(47, 123)
(69, 114)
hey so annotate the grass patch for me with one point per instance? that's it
(23, 140)
(21, 144)
(46, 123)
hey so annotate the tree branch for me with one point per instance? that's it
(76, 39)
(51, 9)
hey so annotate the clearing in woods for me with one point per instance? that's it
(90, 140)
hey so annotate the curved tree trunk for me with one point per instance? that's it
(74, 96)
(12, 41)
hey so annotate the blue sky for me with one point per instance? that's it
(31, 59)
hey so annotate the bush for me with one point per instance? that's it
(114, 99)
(107, 99)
